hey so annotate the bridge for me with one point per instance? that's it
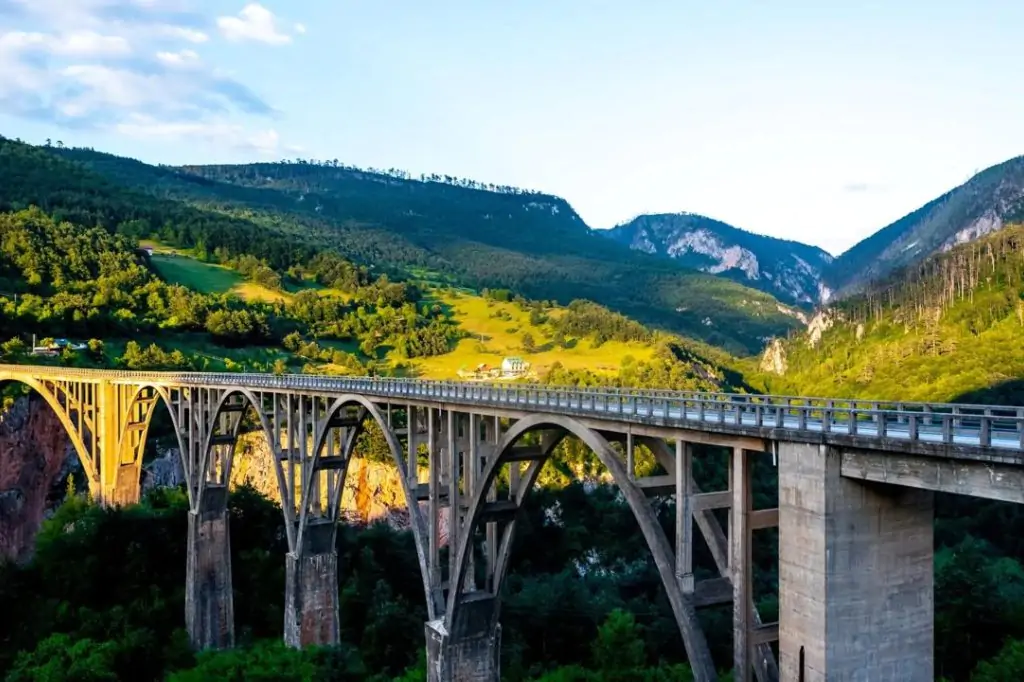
(854, 517)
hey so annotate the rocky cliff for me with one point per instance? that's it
(372, 492)
(789, 270)
(36, 459)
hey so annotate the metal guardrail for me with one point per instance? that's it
(935, 423)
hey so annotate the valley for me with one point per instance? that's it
(318, 268)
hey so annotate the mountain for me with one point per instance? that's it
(787, 269)
(949, 328)
(982, 205)
(464, 232)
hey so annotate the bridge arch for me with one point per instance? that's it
(123, 480)
(683, 607)
(417, 521)
(222, 430)
(49, 393)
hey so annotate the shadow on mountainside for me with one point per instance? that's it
(1010, 392)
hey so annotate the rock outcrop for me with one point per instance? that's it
(36, 458)
(372, 491)
(774, 358)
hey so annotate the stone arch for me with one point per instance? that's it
(682, 605)
(417, 521)
(85, 456)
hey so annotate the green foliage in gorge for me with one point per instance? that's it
(953, 324)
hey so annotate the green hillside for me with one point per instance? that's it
(481, 235)
(951, 327)
(225, 293)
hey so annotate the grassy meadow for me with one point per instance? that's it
(492, 338)
(495, 329)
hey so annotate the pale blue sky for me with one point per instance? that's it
(795, 119)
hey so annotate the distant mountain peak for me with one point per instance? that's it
(788, 269)
(981, 206)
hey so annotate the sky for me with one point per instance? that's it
(800, 120)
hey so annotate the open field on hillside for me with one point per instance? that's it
(496, 328)
(494, 338)
(179, 267)
(203, 277)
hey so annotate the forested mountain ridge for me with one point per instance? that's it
(950, 327)
(70, 267)
(790, 270)
(531, 243)
(984, 204)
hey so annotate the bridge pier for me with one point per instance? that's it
(209, 606)
(311, 609)
(471, 652)
(855, 573)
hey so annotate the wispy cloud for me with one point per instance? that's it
(133, 67)
(264, 142)
(859, 187)
(255, 22)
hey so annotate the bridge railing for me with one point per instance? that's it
(948, 423)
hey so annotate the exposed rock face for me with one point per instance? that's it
(984, 204)
(790, 270)
(36, 458)
(819, 324)
(774, 358)
(163, 472)
(372, 491)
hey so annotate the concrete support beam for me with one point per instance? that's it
(311, 609)
(855, 573)
(209, 607)
(990, 480)
(471, 651)
(741, 564)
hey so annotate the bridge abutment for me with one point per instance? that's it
(471, 652)
(311, 609)
(855, 573)
(209, 607)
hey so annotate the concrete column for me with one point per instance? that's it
(209, 608)
(855, 573)
(471, 651)
(311, 611)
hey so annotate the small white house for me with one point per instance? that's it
(514, 367)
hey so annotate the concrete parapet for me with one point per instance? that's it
(311, 609)
(209, 608)
(472, 651)
(855, 573)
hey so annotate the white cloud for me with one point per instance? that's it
(130, 66)
(254, 22)
(188, 34)
(183, 58)
(300, 28)
(265, 142)
(73, 44)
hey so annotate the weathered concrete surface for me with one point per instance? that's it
(991, 480)
(855, 573)
(311, 609)
(209, 607)
(471, 651)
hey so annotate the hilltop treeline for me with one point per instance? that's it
(532, 243)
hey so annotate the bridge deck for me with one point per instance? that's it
(953, 430)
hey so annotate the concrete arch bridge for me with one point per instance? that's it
(855, 500)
